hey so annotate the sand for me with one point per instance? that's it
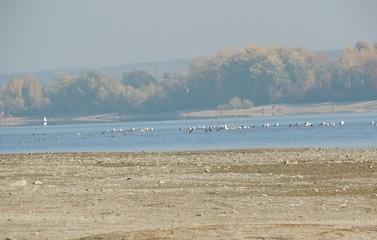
(235, 194)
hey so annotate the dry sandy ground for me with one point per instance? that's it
(237, 194)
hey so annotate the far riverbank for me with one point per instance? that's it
(257, 111)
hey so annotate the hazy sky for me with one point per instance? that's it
(50, 34)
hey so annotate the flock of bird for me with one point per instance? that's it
(115, 131)
(215, 128)
(219, 127)
(226, 127)
(264, 125)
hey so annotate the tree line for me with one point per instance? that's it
(234, 78)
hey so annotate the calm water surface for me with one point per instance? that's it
(357, 132)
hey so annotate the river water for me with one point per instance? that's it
(357, 132)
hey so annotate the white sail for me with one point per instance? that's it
(44, 121)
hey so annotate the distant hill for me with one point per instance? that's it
(157, 69)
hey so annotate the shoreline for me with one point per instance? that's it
(183, 152)
(225, 194)
(258, 111)
(290, 109)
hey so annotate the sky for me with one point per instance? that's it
(53, 34)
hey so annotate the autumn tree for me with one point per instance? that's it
(138, 78)
(2, 99)
(233, 78)
(203, 83)
(23, 93)
(357, 74)
(171, 94)
(89, 93)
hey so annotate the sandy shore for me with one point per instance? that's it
(258, 111)
(237, 194)
(290, 109)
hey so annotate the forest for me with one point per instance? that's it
(232, 79)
